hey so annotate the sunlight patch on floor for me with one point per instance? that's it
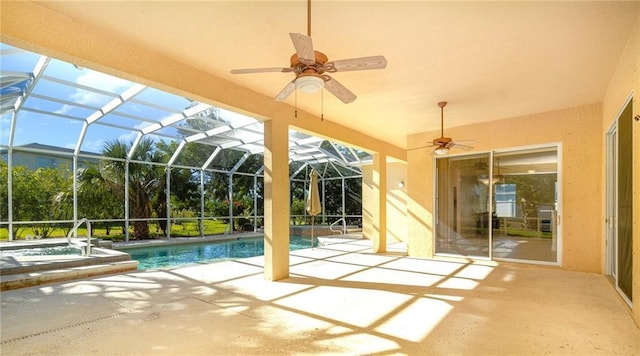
(458, 283)
(363, 308)
(408, 324)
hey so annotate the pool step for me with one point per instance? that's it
(22, 280)
(17, 265)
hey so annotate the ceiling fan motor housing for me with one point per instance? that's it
(442, 141)
(317, 67)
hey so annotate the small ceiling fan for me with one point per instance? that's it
(442, 144)
(311, 67)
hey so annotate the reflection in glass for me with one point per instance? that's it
(463, 211)
(525, 201)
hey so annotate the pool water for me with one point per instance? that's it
(42, 251)
(198, 252)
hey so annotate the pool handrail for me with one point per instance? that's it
(87, 251)
(344, 226)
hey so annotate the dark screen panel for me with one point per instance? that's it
(625, 202)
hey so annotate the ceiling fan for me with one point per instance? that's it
(442, 144)
(311, 67)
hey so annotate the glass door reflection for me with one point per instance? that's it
(464, 212)
(499, 205)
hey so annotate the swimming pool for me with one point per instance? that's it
(198, 252)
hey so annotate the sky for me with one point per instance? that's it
(89, 91)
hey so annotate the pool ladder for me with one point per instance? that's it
(85, 249)
(344, 226)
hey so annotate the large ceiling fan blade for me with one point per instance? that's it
(460, 146)
(363, 63)
(304, 48)
(339, 90)
(284, 93)
(261, 70)
(466, 142)
(421, 147)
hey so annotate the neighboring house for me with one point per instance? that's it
(36, 155)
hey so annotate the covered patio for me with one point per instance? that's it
(339, 299)
(520, 78)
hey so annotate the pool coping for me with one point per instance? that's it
(124, 246)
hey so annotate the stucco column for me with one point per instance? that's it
(276, 200)
(379, 211)
(420, 196)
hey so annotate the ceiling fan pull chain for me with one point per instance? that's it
(321, 105)
(295, 110)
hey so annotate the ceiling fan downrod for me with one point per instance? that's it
(441, 104)
(309, 18)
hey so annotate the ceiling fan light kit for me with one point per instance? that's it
(309, 84)
(441, 151)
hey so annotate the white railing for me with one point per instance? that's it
(344, 226)
(84, 251)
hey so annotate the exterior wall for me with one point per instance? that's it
(578, 130)
(626, 82)
(396, 205)
(396, 202)
(34, 161)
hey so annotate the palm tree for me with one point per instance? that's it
(143, 179)
(97, 197)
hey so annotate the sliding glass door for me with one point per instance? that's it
(463, 206)
(501, 205)
(526, 198)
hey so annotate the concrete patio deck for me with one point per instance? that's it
(339, 299)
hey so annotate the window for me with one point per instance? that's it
(46, 162)
(505, 195)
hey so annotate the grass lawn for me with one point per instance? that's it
(182, 229)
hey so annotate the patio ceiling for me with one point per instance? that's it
(490, 60)
(60, 106)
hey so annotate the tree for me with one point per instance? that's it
(532, 191)
(33, 195)
(96, 198)
(143, 179)
(48, 183)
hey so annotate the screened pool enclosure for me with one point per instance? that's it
(139, 162)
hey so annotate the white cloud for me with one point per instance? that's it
(127, 138)
(92, 146)
(93, 79)
(5, 121)
(104, 81)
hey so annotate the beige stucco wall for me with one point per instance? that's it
(577, 130)
(624, 83)
(396, 203)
